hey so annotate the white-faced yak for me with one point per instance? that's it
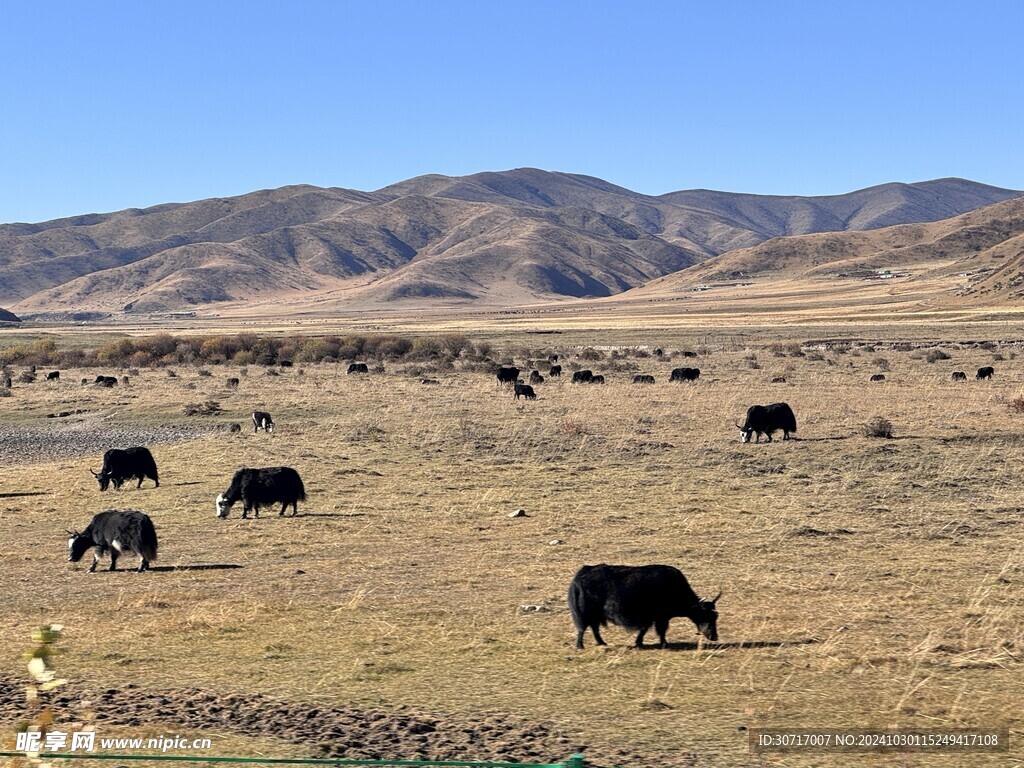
(115, 532)
(765, 419)
(257, 488)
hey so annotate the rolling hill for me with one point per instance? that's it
(979, 255)
(490, 238)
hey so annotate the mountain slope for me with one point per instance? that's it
(505, 237)
(979, 254)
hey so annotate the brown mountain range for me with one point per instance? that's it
(490, 238)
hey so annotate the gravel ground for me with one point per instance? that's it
(342, 732)
(47, 442)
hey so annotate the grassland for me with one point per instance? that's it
(867, 582)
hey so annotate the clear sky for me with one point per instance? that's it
(107, 104)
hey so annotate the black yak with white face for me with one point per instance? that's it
(262, 420)
(635, 597)
(257, 488)
(765, 419)
(124, 464)
(115, 532)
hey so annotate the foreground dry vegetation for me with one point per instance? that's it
(868, 582)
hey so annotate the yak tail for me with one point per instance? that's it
(301, 496)
(576, 604)
(147, 540)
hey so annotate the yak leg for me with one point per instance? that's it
(661, 627)
(143, 564)
(113, 559)
(95, 558)
(284, 507)
(640, 636)
(597, 635)
(579, 637)
(769, 436)
(141, 478)
(295, 508)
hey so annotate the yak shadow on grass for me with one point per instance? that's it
(202, 567)
(18, 494)
(709, 646)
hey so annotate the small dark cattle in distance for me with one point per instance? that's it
(765, 419)
(124, 464)
(778, 380)
(878, 377)
(597, 379)
(536, 378)
(658, 352)
(257, 488)
(115, 532)
(53, 376)
(233, 383)
(985, 373)
(555, 372)
(634, 597)
(688, 353)
(959, 376)
(106, 381)
(358, 368)
(582, 377)
(685, 374)
(524, 390)
(262, 420)
(507, 375)
(429, 381)
(285, 364)
(84, 382)
(643, 378)
(125, 381)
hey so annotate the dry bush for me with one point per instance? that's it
(879, 426)
(934, 355)
(881, 363)
(207, 408)
(6, 393)
(1016, 405)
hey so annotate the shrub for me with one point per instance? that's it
(6, 393)
(879, 426)
(26, 378)
(208, 408)
(203, 372)
(880, 363)
(1016, 405)
(934, 355)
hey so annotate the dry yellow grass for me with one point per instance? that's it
(867, 582)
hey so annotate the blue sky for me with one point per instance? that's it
(108, 105)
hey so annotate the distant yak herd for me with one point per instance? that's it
(635, 598)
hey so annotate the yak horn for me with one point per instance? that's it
(94, 474)
(715, 600)
(737, 425)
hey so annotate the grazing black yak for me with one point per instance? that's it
(555, 372)
(582, 377)
(634, 597)
(260, 488)
(765, 419)
(507, 375)
(985, 373)
(358, 368)
(524, 390)
(684, 374)
(959, 376)
(124, 464)
(117, 532)
(643, 378)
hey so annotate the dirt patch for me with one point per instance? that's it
(343, 732)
